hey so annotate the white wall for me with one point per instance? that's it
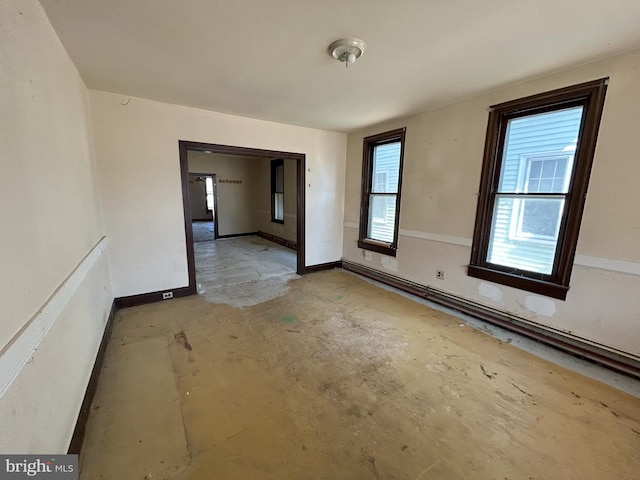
(236, 202)
(139, 138)
(55, 289)
(443, 159)
(246, 207)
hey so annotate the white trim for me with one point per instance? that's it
(15, 355)
(621, 266)
(437, 237)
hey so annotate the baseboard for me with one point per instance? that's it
(396, 282)
(556, 339)
(279, 240)
(152, 297)
(323, 266)
(122, 302)
(248, 234)
(81, 423)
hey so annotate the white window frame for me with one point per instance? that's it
(517, 214)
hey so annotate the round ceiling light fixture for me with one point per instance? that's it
(347, 50)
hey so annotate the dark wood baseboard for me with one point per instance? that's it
(248, 234)
(122, 302)
(557, 339)
(279, 240)
(152, 297)
(81, 423)
(323, 266)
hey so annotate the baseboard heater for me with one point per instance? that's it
(601, 354)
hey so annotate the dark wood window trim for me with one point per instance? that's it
(274, 188)
(367, 168)
(591, 97)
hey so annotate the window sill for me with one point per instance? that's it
(383, 248)
(540, 287)
(277, 221)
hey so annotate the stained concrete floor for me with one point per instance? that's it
(339, 378)
(243, 271)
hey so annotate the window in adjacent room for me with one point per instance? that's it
(209, 191)
(381, 185)
(277, 191)
(538, 157)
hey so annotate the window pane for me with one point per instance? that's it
(548, 169)
(535, 170)
(561, 167)
(540, 217)
(280, 178)
(386, 168)
(545, 185)
(278, 203)
(380, 182)
(524, 233)
(382, 217)
(540, 147)
(208, 182)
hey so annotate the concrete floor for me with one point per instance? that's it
(243, 271)
(202, 231)
(339, 378)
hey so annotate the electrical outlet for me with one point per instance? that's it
(440, 274)
(167, 295)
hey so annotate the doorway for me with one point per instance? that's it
(185, 147)
(203, 204)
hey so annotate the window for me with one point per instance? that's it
(208, 181)
(537, 161)
(277, 191)
(381, 185)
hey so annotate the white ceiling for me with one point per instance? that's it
(268, 59)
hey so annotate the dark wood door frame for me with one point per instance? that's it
(186, 146)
